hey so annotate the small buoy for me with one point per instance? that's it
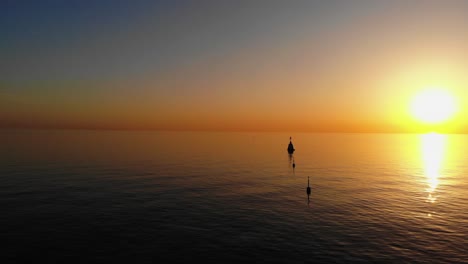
(290, 147)
(308, 188)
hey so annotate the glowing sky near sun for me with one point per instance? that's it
(341, 66)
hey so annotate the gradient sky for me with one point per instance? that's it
(342, 66)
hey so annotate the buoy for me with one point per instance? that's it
(290, 147)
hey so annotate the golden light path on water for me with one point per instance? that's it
(433, 152)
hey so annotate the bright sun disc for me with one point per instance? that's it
(433, 106)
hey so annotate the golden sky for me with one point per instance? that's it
(331, 66)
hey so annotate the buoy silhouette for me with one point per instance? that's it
(308, 187)
(290, 146)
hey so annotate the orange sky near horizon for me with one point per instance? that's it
(316, 67)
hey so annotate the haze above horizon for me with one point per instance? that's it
(308, 66)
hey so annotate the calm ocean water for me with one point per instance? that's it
(233, 197)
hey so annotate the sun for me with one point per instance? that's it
(433, 106)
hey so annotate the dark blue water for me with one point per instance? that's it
(233, 197)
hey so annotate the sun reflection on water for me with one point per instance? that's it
(433, 150)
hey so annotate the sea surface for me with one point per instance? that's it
(234, 197)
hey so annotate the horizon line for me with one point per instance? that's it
(224, 130)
